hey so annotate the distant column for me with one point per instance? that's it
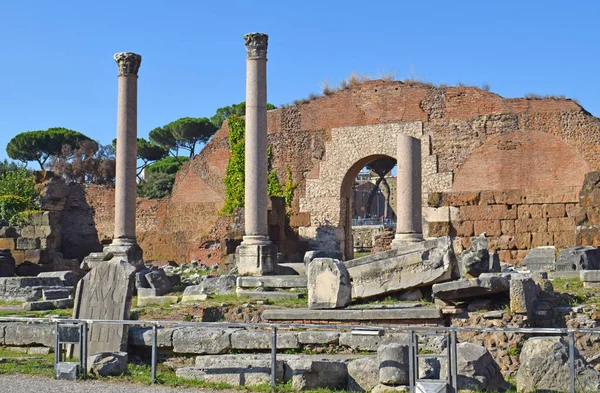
(124, 241)
(409, 228)
(256, 255)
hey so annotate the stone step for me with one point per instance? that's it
(432, 314)
(285, 282)
(291, 268)
(271, 295)
(54, 293)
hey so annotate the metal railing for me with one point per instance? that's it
(413, 331)
(358, 222)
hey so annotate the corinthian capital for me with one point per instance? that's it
(128, 63)
(256, 45)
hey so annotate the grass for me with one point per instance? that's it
(360, 254)
(573, 293)
(17, 362)
(67, 312)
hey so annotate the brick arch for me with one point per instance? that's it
(328, 195)
(521, 160)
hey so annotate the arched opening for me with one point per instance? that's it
(366, 197)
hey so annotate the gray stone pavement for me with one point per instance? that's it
(17, 383)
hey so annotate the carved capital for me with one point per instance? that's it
(256, 45)
(128, 63)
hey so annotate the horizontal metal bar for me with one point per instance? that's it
(433, 355)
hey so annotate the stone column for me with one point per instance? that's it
(256, 255)
(409, 228)
(124, 241)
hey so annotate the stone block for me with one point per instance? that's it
(542, 239)
(25, 289)
(554, 210)
(438, 228)
(28, 231)
(55, 293)
(67, 370)
(313, 337)
(463, 228)
(147, 292)
(561, 224)
(107, 364)
(489, 227)
(28, 269)
(7, 263)
(523, 240)
(162, 301)
(488, 212)
(471, 288)
(329, 284)
(523, 295)
(50, 243)
(358, 342)
(287, 282)
(37, 256)
(507, 227)
(22, 335)
(589, 275)
(25, 243)
(540, 259)
(523, 225)
(158, 280)
(142, 336)
(203, 341)
(381, 388)
(393, 364)
(272, 295)
(578, 258)
(564, 239)
(530, 211)
(431, 387)
(258, 340)
(308, 372)
(8, 243)
(256, 260)
(476, 259)
(363, 374)
(67, 277)
(218, 285)
(8, 232)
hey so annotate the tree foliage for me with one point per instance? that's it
(39, 146)
(158, 185)
(90, 163)
(170, 165)
(18, 196)
(234, 109)
(234, 174)
(184, 133)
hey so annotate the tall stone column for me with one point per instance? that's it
(124, 242)
(256, 255)
(409, 227)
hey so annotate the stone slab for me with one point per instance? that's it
(329, 284)
(202, 340)
(147, 292)
(540, 259)
(156, 301)
(273, 295)
(68, 277)
(589, 275)
(431, 387)
(563, 274)
(257, 340)
(313, 337)
(67, 371)
(158, 280)
(105, 293)
(414, 313)
(471, 288)
(55, 293)
(194, 298)
(271, 282)
(142, 336)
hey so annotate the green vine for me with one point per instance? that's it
(234, 174)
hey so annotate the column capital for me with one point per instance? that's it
(128, 63)
(256, 45)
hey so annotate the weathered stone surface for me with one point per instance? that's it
(319, 337)
(140, 278)
(578, 258)
(431, 387)
(328, 284)
(393, 364)
(540, 259)
(21, 334)
(430, 314)
(156, 300)
(142, 336)
(68, 277)
(107, 364)
(194, 293)
(272, 282)
(28, 269)
(202, 340)
(158, 280)
(523, 295)
(252, 339)
(105, 293)
(314, 254)
(477, 369)
(48, 305)
(247, 255)
(26, 289)
(494, 263)
(381, 388)
(274, 295)
(363, 374)
(55, 293)
(7, 263)
(234, 370)
(312, 372)
(476, 259)
(589, 275)
(26, 243)
(411, 294)
(67, 370)
(470, 288)
(147, 292)
(218, 285)
(414, 265)
(370, 342)
(8, 232)
(544, 366)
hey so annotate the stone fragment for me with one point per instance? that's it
(105, 293)
(523, 295)
(411, 294)
(494, 263)
(261, 339)
(286, 282)
(107, 364)
(318, 337)
(363, 374)
(67, 370)
(314, 254)
(589, 275)
(471, 288)
(54, 293)
(158, 280)
(393, 364)
(328, 284)
(194, 293)
(477, 369)
(25, 243)
(578, 258)
(218, 285)
(414, 265)
(68, 277)
(309, 372)
(147, 292)
(201, 340)
(272, 295)
(39, 351)
(431, 387)
(544, 366)
(540, 259)
(162, 301)
(476, 259)
(7, 263)
(22, 334)
(48, 305)
(140, 278)
(26, 289)
(142, 336)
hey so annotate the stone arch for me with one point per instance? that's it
(328, 193)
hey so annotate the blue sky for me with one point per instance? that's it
(57, 67)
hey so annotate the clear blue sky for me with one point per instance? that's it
(57, 67)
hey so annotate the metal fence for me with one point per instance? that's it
(358, 222)
(413, 332)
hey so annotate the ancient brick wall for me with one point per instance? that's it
(473, 140)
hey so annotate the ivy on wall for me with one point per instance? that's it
(234, 174)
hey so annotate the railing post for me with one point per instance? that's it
(453, 360)
(83, 344)
(274, 357)
(411, 361)
(154, 345)
(572, 361)
(56, 348)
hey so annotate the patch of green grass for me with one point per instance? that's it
(514, 351)
(4, 303)
(17, 362)
(360, 254)
(573, 293)
(68, 312)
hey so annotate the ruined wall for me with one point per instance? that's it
(472, 140)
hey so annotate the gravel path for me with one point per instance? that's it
(17, 383)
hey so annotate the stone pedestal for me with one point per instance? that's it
(256, 259)
(126, 249)
(409, 227)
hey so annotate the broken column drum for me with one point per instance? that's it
(409, 227)
(124, 240)
(256, 255)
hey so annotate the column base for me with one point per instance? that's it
(256, 256)
(402, 239)
(127, 249)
